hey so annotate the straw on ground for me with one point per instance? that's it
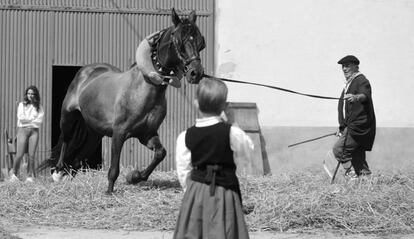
(296, 201)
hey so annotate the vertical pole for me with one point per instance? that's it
(334, 174)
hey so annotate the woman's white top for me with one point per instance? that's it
(28, 116)
(240, 143)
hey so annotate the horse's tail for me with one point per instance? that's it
(75, 148)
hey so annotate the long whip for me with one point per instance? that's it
(310, 140)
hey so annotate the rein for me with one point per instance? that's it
(272, 87)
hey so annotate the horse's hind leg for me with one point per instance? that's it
(67, 121)
(155, 145)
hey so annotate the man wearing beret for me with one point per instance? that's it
(356, 120)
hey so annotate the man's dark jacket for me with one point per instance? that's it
(359, 116)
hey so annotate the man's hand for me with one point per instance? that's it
(351, 97)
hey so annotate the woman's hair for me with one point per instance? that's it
(36, 99)
(211, 96)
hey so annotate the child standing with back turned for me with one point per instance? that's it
(206, 157)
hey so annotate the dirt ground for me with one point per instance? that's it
(67, 233)
(10, 230)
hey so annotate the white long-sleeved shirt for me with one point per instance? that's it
(240, 143)
(28, 116)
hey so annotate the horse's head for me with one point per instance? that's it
(188, 42)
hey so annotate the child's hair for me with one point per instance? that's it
(212, 96)
(36, 98)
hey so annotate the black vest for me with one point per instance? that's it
(212, 157)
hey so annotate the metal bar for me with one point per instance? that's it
(103, 10)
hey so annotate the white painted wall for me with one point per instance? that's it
(296, 45)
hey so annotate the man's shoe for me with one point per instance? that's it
(365, 172)
(350, 174)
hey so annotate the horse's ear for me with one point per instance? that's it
(193, 16)
(175, 18)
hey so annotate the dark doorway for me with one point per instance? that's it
(62, 77)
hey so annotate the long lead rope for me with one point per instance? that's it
(272, 87)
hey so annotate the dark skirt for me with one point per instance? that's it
(204, 216)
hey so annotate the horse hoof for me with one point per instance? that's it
(57, 177)
(134, 177)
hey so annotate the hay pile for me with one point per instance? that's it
(303, 201)
(379, 204)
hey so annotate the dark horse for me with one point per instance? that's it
(103, 101)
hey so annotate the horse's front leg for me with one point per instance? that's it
(155, 145)
(113, 172)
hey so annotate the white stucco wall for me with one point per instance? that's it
(296, 45)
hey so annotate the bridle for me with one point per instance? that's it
(155, 43)
(184, 60)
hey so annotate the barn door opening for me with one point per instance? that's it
(62, 77)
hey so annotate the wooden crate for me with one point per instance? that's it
(244, 115)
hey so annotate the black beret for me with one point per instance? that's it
(349, 59)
